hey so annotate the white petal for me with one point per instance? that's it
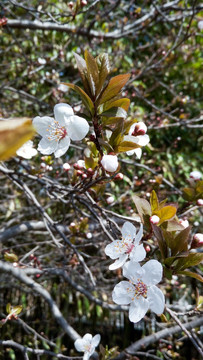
(62, 111)
(41, 124)
(153, 272)
(140, 140)
(96, 340)
(139, 125)
(27, 151)
(109, 162)
(63, 146)
(128, 231)
(123, 293)
(77, 127)
(138, 253)
(115, 249)
(87, 338)
(138, 152)
(47, 147)
(119, 263)
(130, 152)
(156, 299)
(138, 309)
(79, 345)
(139, 235)
(132, 271)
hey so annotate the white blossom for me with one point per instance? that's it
(126, 248)
(109, 162)
(140, 292)
(200, 24)
(184, 223)
(57, 133)
(137, 134)
(27, 151)
(62, 88)
(196, 175)
(87, 345)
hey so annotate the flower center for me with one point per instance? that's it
(56, 131)
(129, 247)
(87, 347)
(140, 289)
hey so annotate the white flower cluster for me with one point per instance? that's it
(140, 291)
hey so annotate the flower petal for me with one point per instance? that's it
(115, 249)
(96, 340)
(139, 235)
(87, 338)
(128, 231)
(41, 124)
(79, 345)
(138, 309)
(156, 299)
(61, 112)
(63, 146)
(109, 162)
(77, 127)
(153, 272)
(132, 271)
(119, 263)
(140, 140)
(138, 253)
(123, 293)
(47, 147)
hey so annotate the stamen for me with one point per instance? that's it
(56, 131)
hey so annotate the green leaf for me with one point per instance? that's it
(189, 193)
(85, 98)
(124, 103)
(154, 201)
(199, 188)
(11, 257)
(192, 259)
(166, 213)
(142, 205)
(104, 69)
(117, 112)
(92, 73)
(116, 135)
(161, 241)
(191, 274)
(113, 88)
(126, 146)
(181, 241)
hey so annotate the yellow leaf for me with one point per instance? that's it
(154, 201)
(166, 213)
(13, 134)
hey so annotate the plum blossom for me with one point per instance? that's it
(137, 134)
(140, 292)
(27, 151)
(127, 248)
(57, 133)
(109, 162)
(87, 345)
(195, 175)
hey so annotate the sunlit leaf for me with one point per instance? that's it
(191, 260)
(81, 64)
(191, 274)
(154, 201)
(166, 213)
(113, 88)
(85, 98)
(13, 134)
(92, 73)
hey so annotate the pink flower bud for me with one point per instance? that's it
(200, 202)
(83, 2)
(66, 167)
(184, 223)
(70, 5)
(119, 176)
(110, 200)
(197, 241)
(154, 219)
(84, 176)
(196, 175)
(147, 248)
